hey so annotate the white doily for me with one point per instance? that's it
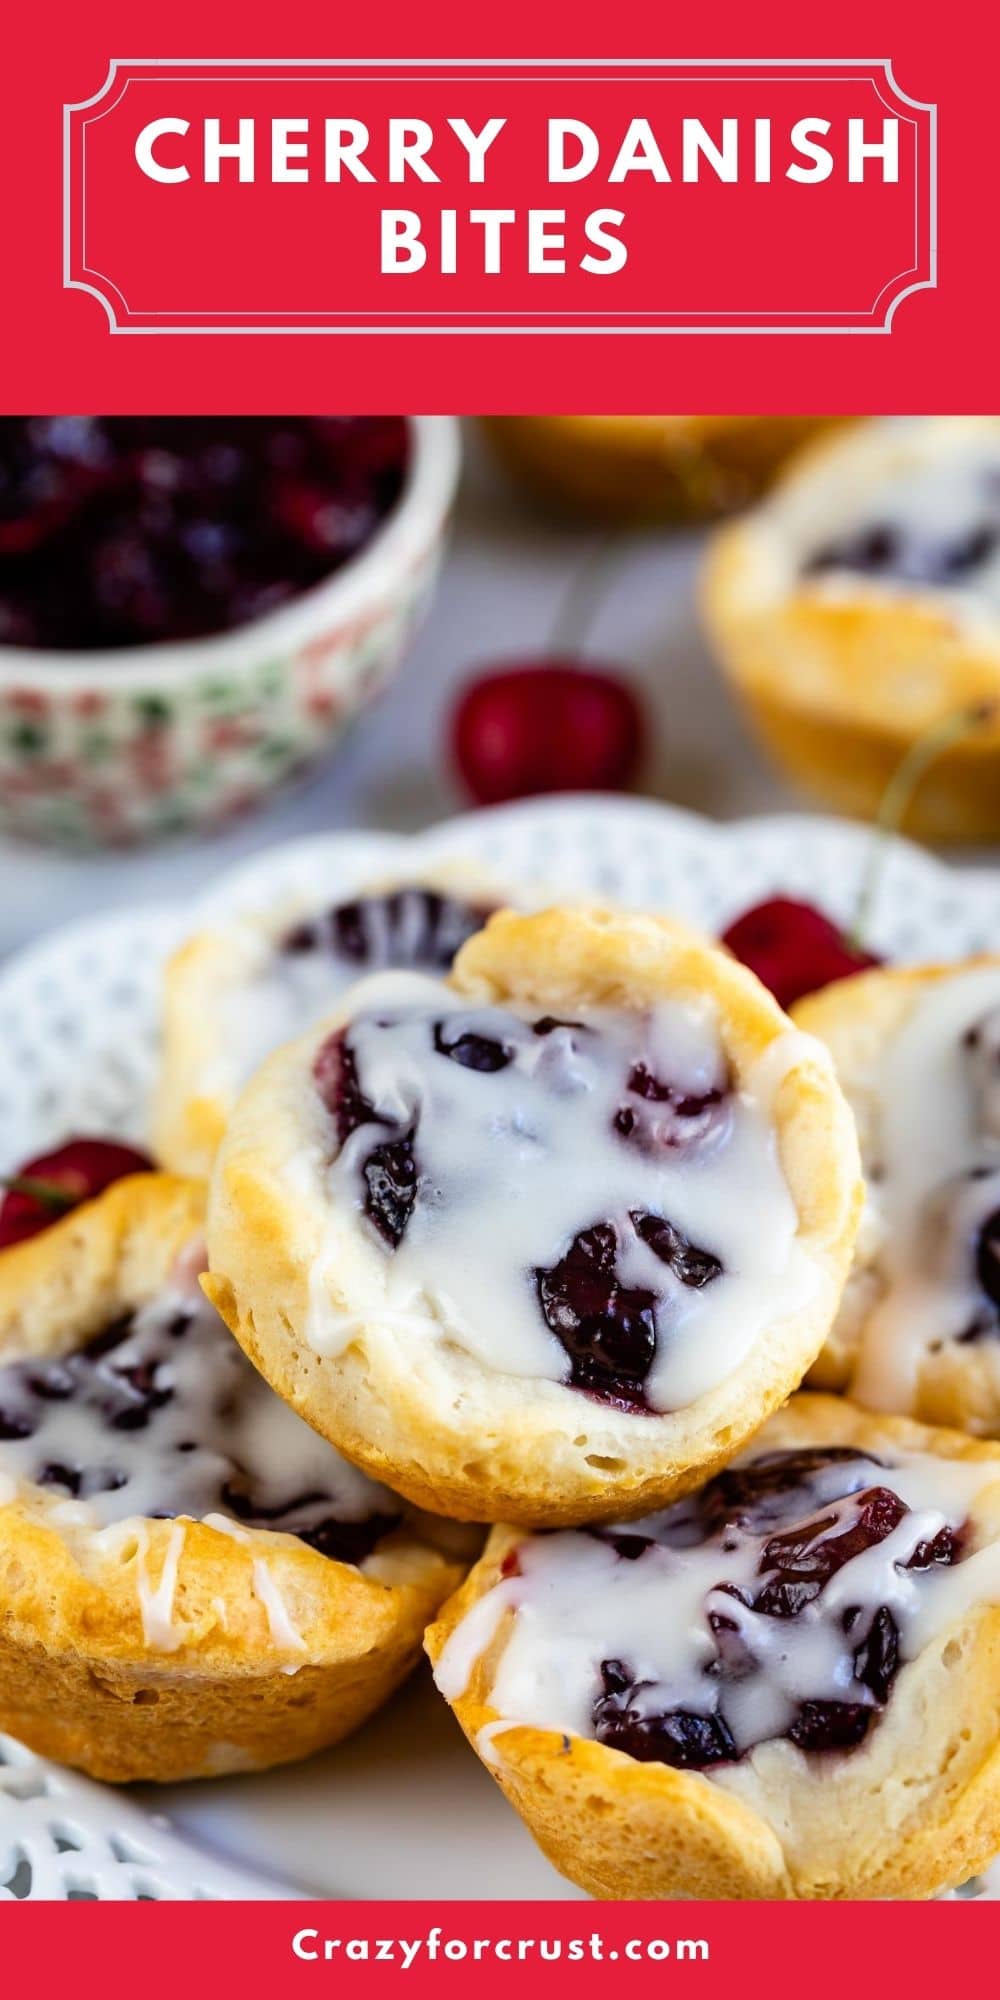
(78, 1034)
(79, 1012)
(59, 1840)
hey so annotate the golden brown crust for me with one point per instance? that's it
(452, 1436)
(857, 1019)
(840, 683)
(911, 1812)
(648, 468)
(160, 1649)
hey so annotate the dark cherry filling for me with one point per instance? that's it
(883, 550)
(408, 927)
(687, 1742)
(390, 1177)
(677, 1118)
(757, 1496)
(389, 1171)
(176, 527)
(797, 1562)
(126, 1398)
(342, 1541)
(988, 1261)
(607, 1327)
(472, 1051)
(694, 1268)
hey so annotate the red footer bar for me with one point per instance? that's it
(176, 1950)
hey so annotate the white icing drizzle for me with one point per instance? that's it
(486, 1738)
(280, 1625)
(265, 1590)
(156, 1603)
(788, 1051)
(514, 1164)
(574, 1603)
(221, 1427)
(937, 1121)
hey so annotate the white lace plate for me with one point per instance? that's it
(404, 1809)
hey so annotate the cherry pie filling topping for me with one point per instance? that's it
(412, 926)
(162, 1415)
(570, 1193)
(796, 1519)
(777, 1604)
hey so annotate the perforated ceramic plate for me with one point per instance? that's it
(403, 1809)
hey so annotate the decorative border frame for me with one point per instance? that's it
(887, 301)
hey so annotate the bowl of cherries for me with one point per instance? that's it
(193, 608)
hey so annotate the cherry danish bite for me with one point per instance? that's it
(917, 1050)
(785, 1686)
(236, 991)
(546, 1240)
(191, 1581)
(856, 611)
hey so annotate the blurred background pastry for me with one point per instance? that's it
(856, 613)
(647, 468)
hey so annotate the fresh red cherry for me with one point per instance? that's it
(793, 948)
(546, 726)
(53, 1183)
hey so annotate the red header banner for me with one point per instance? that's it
(501, 197)
(490, 227)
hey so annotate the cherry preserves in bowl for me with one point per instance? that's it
(192, 609)
(122, 531)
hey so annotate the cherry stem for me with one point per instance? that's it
(906, 778)
(581, 600)
(49, 1193)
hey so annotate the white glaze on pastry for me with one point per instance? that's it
(574, 1603)
(191, 1423)
(935, 1180)
(515, 1163)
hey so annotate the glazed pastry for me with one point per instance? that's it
(550, 1239)
(191, 1582)
(235, 993)
(785, 1686)
(859, 607)
(918, 1053)
(648, 468)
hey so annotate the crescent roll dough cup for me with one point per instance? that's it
(906, 1336)
(912, 1810)
(843, 671)
(149, 1648)
(304, 1283)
